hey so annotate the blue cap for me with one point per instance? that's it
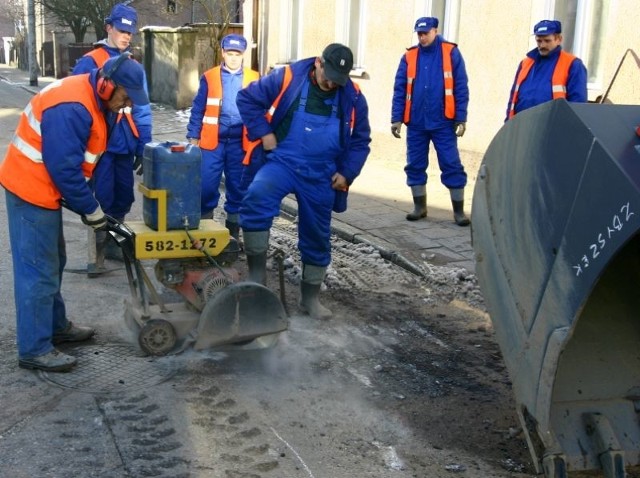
(424, 24)
(233, 41)
(129, 75)
(123, 17)
(547, 27)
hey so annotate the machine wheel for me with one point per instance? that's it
(157, 337)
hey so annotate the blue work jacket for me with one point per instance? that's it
(427, 102)
(255, 100)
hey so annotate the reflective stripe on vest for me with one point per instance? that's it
(411, 57)
(558, 79)
(23, 171)
(209, 133)
(101, 56)
(249, 145)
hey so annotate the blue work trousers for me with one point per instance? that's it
(302, 164)
(113, 184)
(445, 141)
(315, 199)
(39, 256)
(227, 159)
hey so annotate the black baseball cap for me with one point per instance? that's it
(338, 61)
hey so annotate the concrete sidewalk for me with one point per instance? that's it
(378, 201)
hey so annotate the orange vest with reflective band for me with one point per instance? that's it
(23, 171)
(558, 79)
(209, 133)
(101, 56)
(248, 145)
(411, 57)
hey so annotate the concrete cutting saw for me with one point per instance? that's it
(216, 307)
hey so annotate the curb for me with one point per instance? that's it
(355, 236)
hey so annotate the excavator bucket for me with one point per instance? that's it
(556, 234)
(241, 313)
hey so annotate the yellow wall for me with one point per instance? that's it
(493, 37)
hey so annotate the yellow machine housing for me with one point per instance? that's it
(177, 243)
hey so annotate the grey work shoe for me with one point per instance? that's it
(73, 333)
(54, 361)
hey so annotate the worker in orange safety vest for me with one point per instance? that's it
(547, 72)
(60, 137)
(216, 126)
(430, 96)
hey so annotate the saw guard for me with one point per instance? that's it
(240, 312)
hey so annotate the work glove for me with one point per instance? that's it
(137, 165)
(395, 128)
(460, 127)
(97, 220)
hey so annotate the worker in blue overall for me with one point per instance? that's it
(216, 127)
(130, 130)
(313, 123)
(430, 96)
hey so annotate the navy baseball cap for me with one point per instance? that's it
(233, 41)
(547, 27)
(424, 24)
(129, 75)
(338, 61)
(123, 17)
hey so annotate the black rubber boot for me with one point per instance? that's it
(112, 251)
(420, 208)
(234, 229)
(256, 244)
(457, 201)
(419, 194)
(95, 252)
(312, 277)
(257, 267)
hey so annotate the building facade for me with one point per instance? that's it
(492, 35)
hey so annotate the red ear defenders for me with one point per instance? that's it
(105, 85)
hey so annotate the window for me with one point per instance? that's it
(291, 36)
(171, 6)
(582, 27)
(354, 30)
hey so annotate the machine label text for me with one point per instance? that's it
(183, 245)
(617, 223)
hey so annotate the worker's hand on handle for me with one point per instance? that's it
(395, 128)
(97, 220)
(459, 127)
(194, 141)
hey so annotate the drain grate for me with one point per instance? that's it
(110, 368)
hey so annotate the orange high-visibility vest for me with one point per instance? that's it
(249, 145)
(209, 133)
(558, 79)
(101, 56)
(411, 56)
(23, 171)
